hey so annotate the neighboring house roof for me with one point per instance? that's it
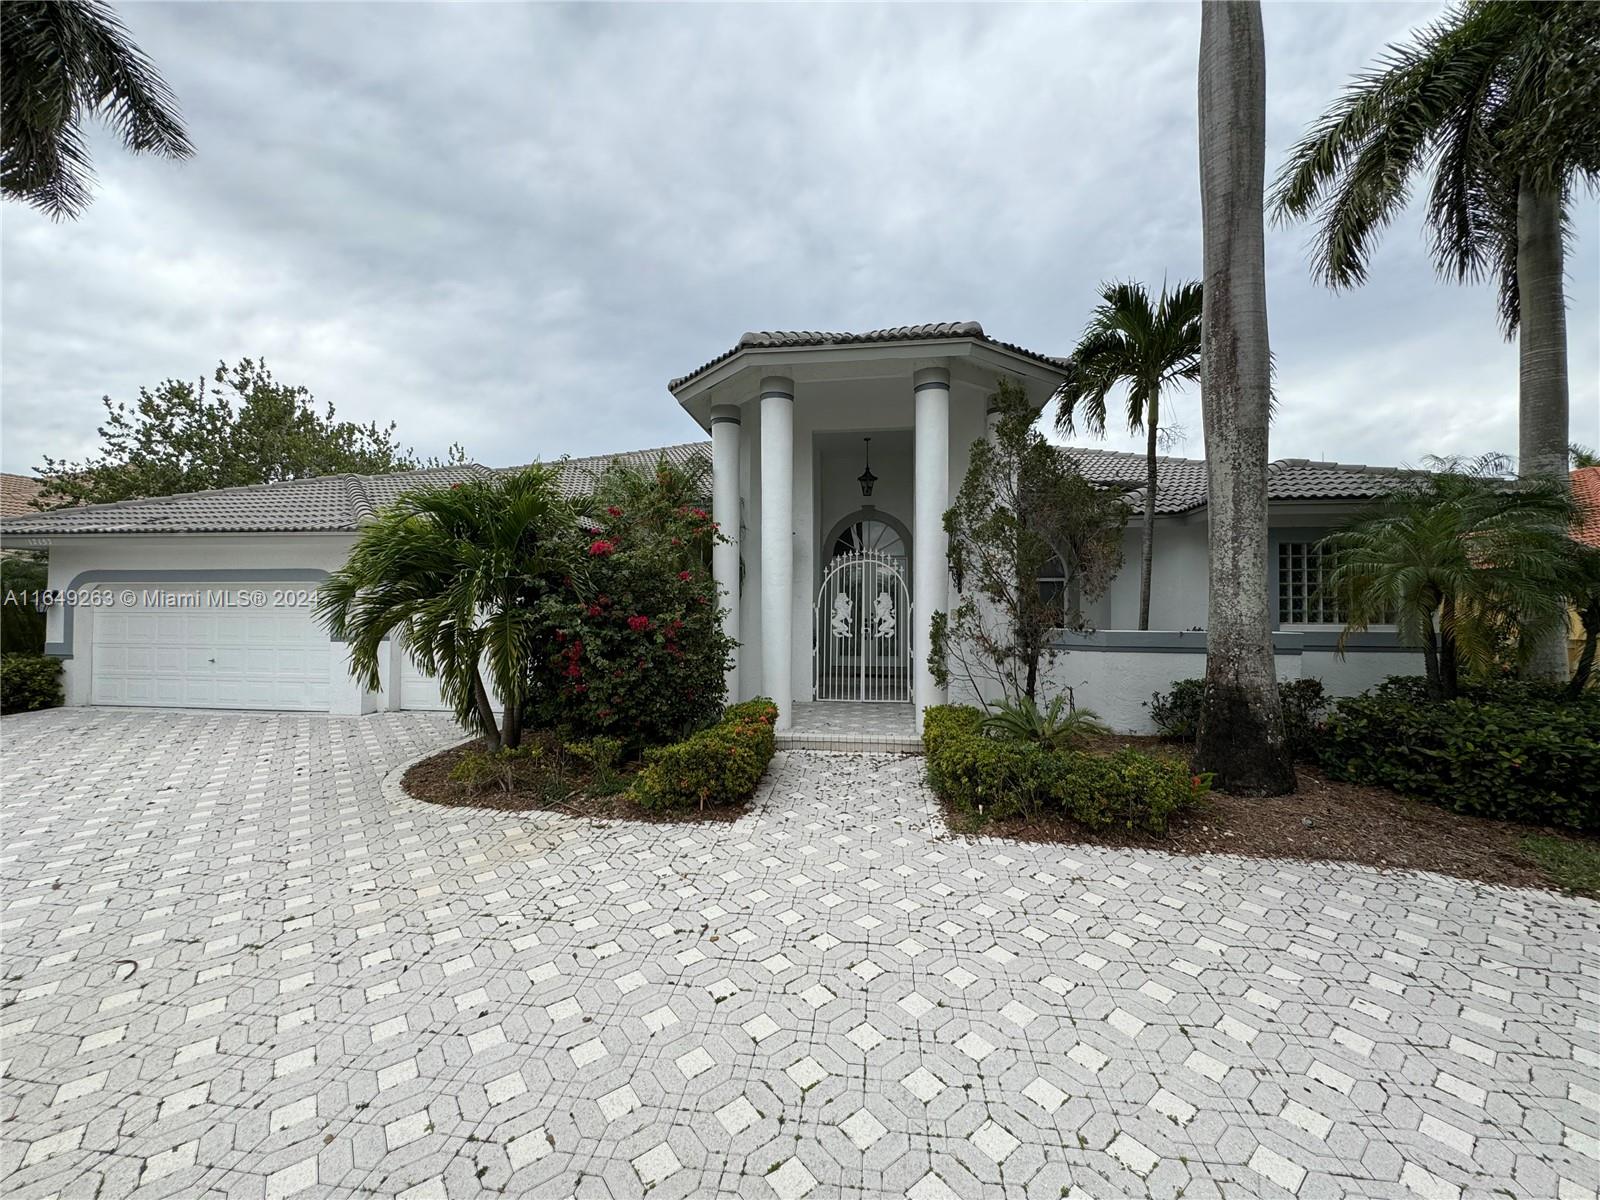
(17, 494)
(1586, 491)
(337, 503)
(805, 338)
(1181, 482)
(326, 504)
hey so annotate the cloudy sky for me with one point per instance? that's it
(508, 226)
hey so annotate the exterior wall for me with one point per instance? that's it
(212, 560)
(1178, 578)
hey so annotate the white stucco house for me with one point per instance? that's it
(831, 572)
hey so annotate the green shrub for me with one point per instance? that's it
(1177, 713)
(1056, 726)
(1002, 777)
(599, 755)
(29, 682)
(21, 622)
(1534, 760)
(478, 769)
(717, 766)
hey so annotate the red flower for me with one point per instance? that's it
(614, 511)
(685, 576)
(638, 624)
(601, 548)
(594, 610)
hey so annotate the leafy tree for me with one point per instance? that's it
(1467, 564)
(458, 573)
(22, 577)
(634, 646)
(62, 61)
(1501, 102)
(243, 427)
(1022, 507)
(1146, 346)
(1241, 737)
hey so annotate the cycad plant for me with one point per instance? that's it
(1147, 346)
(1060, 725)
(457, 573)
(1456, 559)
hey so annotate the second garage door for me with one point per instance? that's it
(208, 654)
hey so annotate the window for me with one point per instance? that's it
(877, 537)
(1302, 598)
(1058, 590)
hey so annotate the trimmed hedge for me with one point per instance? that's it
(1521, 758)
(717, 766)
(994, 777)
(29, 682)
(1177, 713)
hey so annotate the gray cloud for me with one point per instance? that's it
(509, 225)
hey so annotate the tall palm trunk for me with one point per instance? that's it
(1241, 736)
(1147, 554)
(1542, 433)
(485, 709)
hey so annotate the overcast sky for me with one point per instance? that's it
(508, 226)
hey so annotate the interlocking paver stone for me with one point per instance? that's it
(239, 962)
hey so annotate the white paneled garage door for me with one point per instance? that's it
(418, 691)
(209, 655)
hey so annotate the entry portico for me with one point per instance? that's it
(789, 416)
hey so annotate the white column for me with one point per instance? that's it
(930, 571)
(777, 543)
(725, 512)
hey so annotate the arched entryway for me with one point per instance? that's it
(861, 622)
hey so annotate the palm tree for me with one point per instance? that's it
(60, 61)
(1583, 587)
(1501, 102)
(1240, 739)
(1458, 560)
(1582, 457)
(1148, 347)
(456, 572)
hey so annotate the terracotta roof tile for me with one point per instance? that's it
(1586, 491)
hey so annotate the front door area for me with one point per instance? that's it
(862, 629)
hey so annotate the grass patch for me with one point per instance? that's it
(1571, 865)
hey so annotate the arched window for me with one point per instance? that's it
(873, 530)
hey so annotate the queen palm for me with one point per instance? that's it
(1145, 347)
(1458, 560)
(62, 61)
(455, 572)
(1500, 102)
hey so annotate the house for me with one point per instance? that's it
(834, 457)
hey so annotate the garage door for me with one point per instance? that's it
(200, 648)
(418, 691)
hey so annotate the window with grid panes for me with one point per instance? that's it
(1302, 599)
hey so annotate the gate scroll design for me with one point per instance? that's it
(861, 631)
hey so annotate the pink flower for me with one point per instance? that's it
(601, 548)
(638, 624)
(685, 576)
(614, 511)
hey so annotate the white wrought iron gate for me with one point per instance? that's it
(862, 631)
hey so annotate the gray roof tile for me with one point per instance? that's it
(798, 338)
(341, 502)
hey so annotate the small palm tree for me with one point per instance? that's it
(456, 572)
(60, 61)
(1146, 347)
(1455, 560)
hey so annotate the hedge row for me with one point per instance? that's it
(29, 682)
(1516, 757)
(717, 766)
(998, 777)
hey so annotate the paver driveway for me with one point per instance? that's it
(237, 966)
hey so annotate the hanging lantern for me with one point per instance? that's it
(867, 478)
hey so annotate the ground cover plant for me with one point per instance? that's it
(29, 682)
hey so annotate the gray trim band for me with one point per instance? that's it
(777, 395)
(1193, 641)
(63, 648)
(728, 420)
(931, 383)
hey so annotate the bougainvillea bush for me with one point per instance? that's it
(634, 647)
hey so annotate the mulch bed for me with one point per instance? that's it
(1326, 820)
(429, 781)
